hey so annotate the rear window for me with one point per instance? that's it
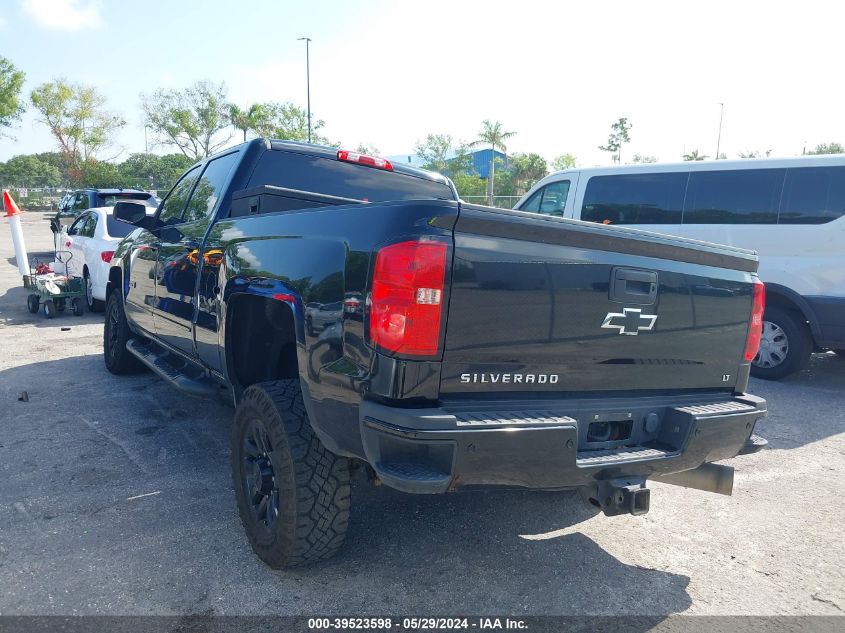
(741, 196)
(813, 195)
(109, 199)
(335, 178)
(635, 199)
(116, 228)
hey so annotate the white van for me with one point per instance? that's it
(788, 210)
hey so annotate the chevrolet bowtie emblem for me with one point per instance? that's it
(630, 321)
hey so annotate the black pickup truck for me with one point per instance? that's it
(362, 318)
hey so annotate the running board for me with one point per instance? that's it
(183, 375)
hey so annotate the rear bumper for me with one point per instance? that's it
(437, 450)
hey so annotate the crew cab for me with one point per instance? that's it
(457, 346)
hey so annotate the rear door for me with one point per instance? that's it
(543, 304)
(181, 257)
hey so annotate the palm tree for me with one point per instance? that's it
(248, 119)
(495, 136)
(694, 155)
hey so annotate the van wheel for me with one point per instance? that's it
(293, 495)
(785, 346)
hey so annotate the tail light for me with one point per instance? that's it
(106, 256)
(755, 325)
(363, 159)
(406, 301)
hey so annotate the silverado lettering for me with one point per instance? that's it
(540, 379)
(344, 304)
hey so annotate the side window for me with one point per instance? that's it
(813, 195)
(533, 203)
(81, 202)
(742, 196)
(635, 199)
(550, 200)
(210, 186)
(90, 226)
(554, 198)
(173, 205)
(76, 226)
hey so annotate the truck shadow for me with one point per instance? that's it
(497, 552)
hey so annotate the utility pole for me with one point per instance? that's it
(719, 139)
(308, 79)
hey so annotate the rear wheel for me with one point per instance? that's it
(116, 334)
(785, 345)
(78, 309)
(293, 495)
(94, 305)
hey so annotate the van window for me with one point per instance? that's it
(635, 199)
(813, 195)
(742, 196)
(550, 200)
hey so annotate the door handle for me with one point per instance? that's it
(632, 285)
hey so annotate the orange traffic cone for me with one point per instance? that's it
(14, 215)
(9, 204)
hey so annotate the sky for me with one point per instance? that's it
(387, 73)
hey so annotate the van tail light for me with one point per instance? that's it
(406, 300)
(364, 159)
(106, 256)
(755, 325)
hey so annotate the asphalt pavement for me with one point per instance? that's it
(115, 498)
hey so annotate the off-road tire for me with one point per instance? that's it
(311, 484)
(116, 333)
(800, 344)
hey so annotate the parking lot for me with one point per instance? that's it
(115, 498)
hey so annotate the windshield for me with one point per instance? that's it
(109, 199)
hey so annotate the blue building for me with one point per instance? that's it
(480, 160)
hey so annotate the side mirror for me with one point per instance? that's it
(131, 212)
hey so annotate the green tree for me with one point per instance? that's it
(11, 105)
(192, 120)
(151, 171)
(618, 137)
(564, 161)
(100, 173)
(494, 135)
(78, 120)
(694, 155)
(639, 158)
(254, 117)
(828, 148)
(369, 150)
(527, 169)
(288, 122)
(436, 151)
(29, 171)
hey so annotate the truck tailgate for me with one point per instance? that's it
(541, 304)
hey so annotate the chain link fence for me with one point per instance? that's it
(502, 202)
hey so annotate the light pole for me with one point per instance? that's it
(146, 145)
(308, 79)
(719, 139)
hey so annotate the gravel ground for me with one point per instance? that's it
(115, 498)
